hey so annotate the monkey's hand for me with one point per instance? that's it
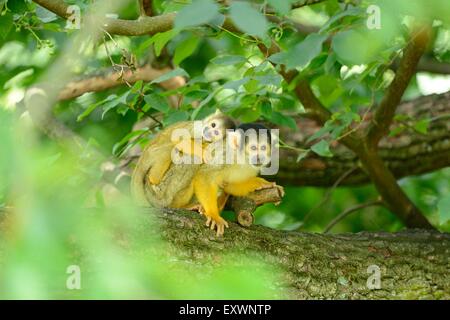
(241, 189)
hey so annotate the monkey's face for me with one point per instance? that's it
(258, 150)
(215, 128)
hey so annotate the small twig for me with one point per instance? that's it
(350, 210)
(328, 194)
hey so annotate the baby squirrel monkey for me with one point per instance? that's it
(187, 137)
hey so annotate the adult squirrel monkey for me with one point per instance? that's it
(238, 178)
(188, 138)
(206, 186)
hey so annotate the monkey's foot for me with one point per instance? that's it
(195, 207)
(218, 224)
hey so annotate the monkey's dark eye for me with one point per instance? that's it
(263, 148)
(253, 148)
(213, 124)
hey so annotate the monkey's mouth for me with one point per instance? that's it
(260, 161)
(206, 135)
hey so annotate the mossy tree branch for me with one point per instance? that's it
(413, 264)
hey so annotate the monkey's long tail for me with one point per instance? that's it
(138, 185)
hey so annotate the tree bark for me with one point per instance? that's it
(409, 153)
(413, 264)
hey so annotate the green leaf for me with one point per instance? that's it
(356, 47)
(249, 114)
(228, 60)
(185, 49)
(340, 15)
(171, 74)
(251, 86)
(6, 24)
(397, 130)
(118, 148)
(197, 13)
(248, 19)
(161, 39)
(204, 102)
(18, 6)
(176, 116)
(302, 155)
(444, 209)
(421, 126)
(282, 120)
(18, 79)
(236, 84)
(280, 6)
(52, 27)
(266, 108)
(92, 107)
(327, 128)
(114, 103)
(302, 54)
(157, 102)
(45, 15)
(322, 148)
(269, 79)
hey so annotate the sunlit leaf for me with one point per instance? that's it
(302, 54)
(185, 49)
(281, 6)
(248, 19)
(322, 148)
(282, 120)
(228, 60)
(197, 13)
(161, 39)
(157, 102)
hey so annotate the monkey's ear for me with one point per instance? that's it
(234, 139)
(218, 112)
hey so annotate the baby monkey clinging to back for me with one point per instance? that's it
(183, 137)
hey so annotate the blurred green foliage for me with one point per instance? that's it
(49, 185)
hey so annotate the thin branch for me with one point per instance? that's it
(385, 112)
(347, 212)
(98, 83)
(328, 194)
(141, 26)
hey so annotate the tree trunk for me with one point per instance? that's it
(413, 264)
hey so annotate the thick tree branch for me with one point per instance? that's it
(399, 153)
(406, 70)
(141, 26)
(313, 266)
